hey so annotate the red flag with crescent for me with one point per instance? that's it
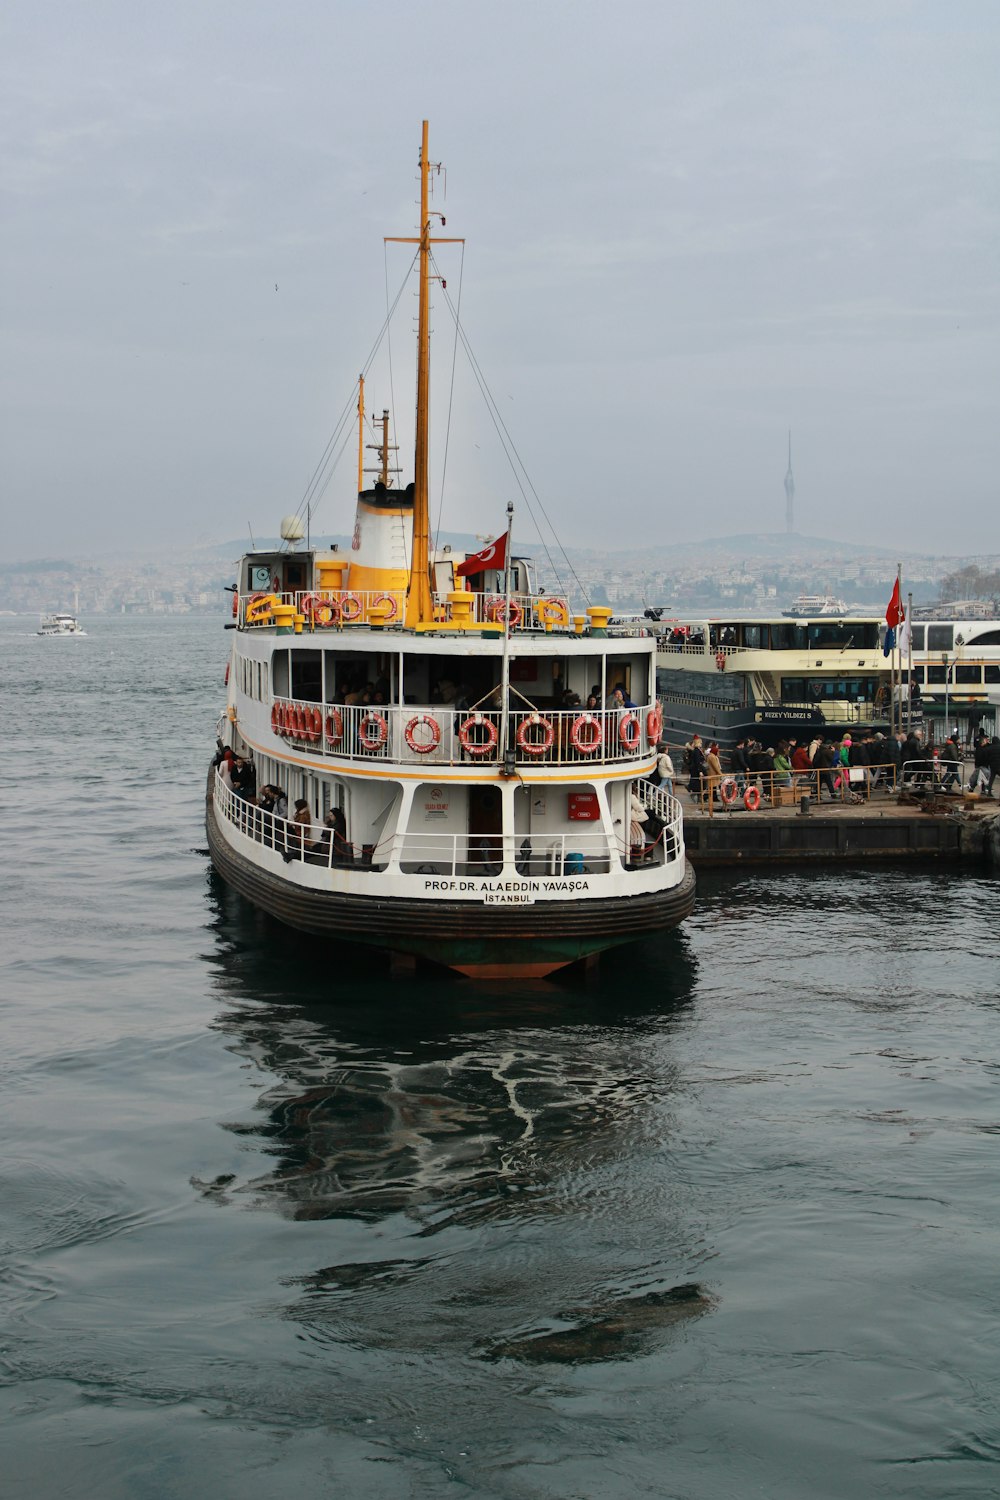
(493, 556)
(895, 613)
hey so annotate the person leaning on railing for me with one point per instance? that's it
(824, 758)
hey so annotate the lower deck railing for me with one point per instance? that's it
(564, 854)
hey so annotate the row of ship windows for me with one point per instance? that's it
(252, 679)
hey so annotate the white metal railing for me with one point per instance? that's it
(325, 609)
(441, 735)
(667, 810)
(461, 854)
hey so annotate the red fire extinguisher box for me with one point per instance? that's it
(583, 807)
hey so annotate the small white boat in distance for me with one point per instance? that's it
(807, 605)
(60, 625)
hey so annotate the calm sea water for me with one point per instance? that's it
(723, 1223)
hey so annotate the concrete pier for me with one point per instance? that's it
(887, 827)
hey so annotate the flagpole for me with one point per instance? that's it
(895, 649)
(505, 669)
(909, 662)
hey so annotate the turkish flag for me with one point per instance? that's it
(493, 556)
(895, 613)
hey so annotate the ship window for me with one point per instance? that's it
(967, 673)
(918, 637)
(917, 674)
(988, 638)
(752, 636)
(940, 637)
(991, 674)
(935, 674)
(279, 669)
(307, 676)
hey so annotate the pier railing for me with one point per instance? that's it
(442, 735)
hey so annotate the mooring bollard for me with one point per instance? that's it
(804, 805)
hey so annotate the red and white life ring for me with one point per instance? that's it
(373, 731)
(552, 612)
(628, 731)
(751, 798)
(720, 660)
(654, 723)
(595, 734)
(480, 724)
(314, 725)
(392, 602)
(236, 603)
(433, 728)
(310, 604)
(498, 611)
(297, 721)
(276, 719)
(334, 728)
(351, 608)
(728, 790)
(535, 735)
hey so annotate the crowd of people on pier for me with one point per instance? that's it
(854, 766)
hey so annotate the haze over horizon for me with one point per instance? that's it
(687, 232)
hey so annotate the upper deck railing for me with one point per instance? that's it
(335, 609)
(440, 735)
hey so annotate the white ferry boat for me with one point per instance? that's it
(808, 605)
(770, 677)
(425, 714)
(60, 625)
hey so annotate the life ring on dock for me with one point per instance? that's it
(499, 613)
(334, 728)
(481, 724)
(588, 723)
(422, 721)
(720, 660)
(552, 612)
(751, 798)
(628, 731)
(654, 723)
(351, 608)
(534, 723)
(373, 731)
(728, 790)
(392, 602)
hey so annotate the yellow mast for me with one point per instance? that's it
(361, 433)
(419, 608)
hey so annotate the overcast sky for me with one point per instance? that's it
(690, 227)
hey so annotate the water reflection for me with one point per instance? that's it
(446, 1100)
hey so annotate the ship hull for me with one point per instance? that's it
(484, 942)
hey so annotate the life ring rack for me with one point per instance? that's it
(478, 748)
(540, 746)
(581, 723)
(553, 612)
(422, 721)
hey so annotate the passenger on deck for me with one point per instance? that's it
(637, 817)
(824, 758)
(244, 779)
(300, 831)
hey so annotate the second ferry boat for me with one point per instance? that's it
(422, 753)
